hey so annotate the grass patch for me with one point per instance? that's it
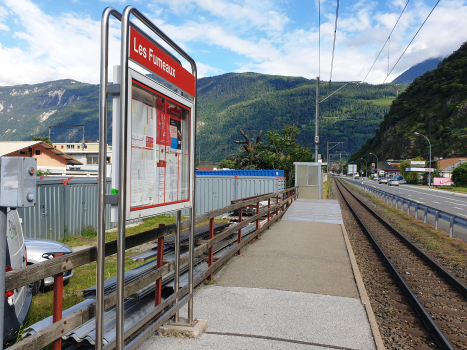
(453, 189)
(85, 276)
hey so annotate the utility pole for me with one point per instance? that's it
(316, 120)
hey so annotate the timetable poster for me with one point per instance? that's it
(157, 174)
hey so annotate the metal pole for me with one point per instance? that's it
(429, 174)
(3, 247)
(177, 263)
(316, 120)
(327, 157)
(100, 263)
(122, 179)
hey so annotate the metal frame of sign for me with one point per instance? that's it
(169, 69)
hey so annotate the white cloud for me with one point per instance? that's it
(259, 36)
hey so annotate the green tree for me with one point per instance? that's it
(46, 139)
(228, 163)
(280, 151)
(410, 176)
(459, 175)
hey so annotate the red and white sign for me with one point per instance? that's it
(442, 181)
(144, 52)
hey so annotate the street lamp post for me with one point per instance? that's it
(327, 156)
(366, 165)
(429, 163)
(377, 172)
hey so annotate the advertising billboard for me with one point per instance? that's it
(442, 181)
(351, 169)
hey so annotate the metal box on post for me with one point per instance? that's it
(17, 182)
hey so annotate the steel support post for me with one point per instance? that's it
(277, 208)
(57, 308)
(451, 226)
(257, 212)
(239, 239)
(316, 121)
(191, 263)
(425, 214)
(269, 213)
(3, 248)
(159, 262)
(177, 262)
(408, 208)
(436, 219)
(211, 250)
(416, 211)
(103, 94)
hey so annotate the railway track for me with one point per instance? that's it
(430, 298)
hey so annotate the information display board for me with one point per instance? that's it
(159, 155)
(160, 132)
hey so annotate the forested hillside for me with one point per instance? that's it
(257, 102)
(419, 69)
(226, 103)
(434, 105)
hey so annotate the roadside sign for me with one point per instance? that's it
(442, 181)
(417, 162)
(351, 169)
(424, 170)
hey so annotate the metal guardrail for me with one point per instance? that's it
(24, 276)
(392, 199)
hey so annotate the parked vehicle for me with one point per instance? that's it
(40, 250)
(383, 180)
(393, 182)
(18, 301)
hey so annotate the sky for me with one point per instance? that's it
(45, 40)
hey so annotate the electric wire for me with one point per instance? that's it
(412, 40)
(319, 38)
(366, 76)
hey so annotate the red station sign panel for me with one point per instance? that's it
(153, 58)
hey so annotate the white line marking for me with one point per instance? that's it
(458, 208)
(462, 214)
(464, 205)
(436, 202)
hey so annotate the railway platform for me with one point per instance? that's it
(295, 288)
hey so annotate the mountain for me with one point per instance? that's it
(434, 105)
(415, 71)
(226, 103)
(29, 110)
(257, 102)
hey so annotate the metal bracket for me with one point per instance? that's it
(111, 199)
(113, 89)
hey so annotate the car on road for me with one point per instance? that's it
(393, 182)
(383, 180)
(40, 250)
(17, 301)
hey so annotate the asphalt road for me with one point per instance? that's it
(455, 204)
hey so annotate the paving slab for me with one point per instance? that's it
(257, 318)
(297, 256)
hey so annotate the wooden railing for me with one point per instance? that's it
(24, 276)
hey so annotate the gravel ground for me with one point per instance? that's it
(387, 303)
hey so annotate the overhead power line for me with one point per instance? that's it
(412, 40)
(366, 76)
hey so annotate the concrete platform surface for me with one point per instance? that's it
(315, 210)
(292, 289)
(256, 318)
(297, 256)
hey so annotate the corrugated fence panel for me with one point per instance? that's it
(65, 206)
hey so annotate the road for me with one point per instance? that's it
(448, 202)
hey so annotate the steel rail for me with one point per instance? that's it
(425, 317)
(451, 279)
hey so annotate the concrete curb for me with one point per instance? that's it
(363, 294)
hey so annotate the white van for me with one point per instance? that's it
(18, 301)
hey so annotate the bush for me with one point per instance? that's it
(459, 175)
